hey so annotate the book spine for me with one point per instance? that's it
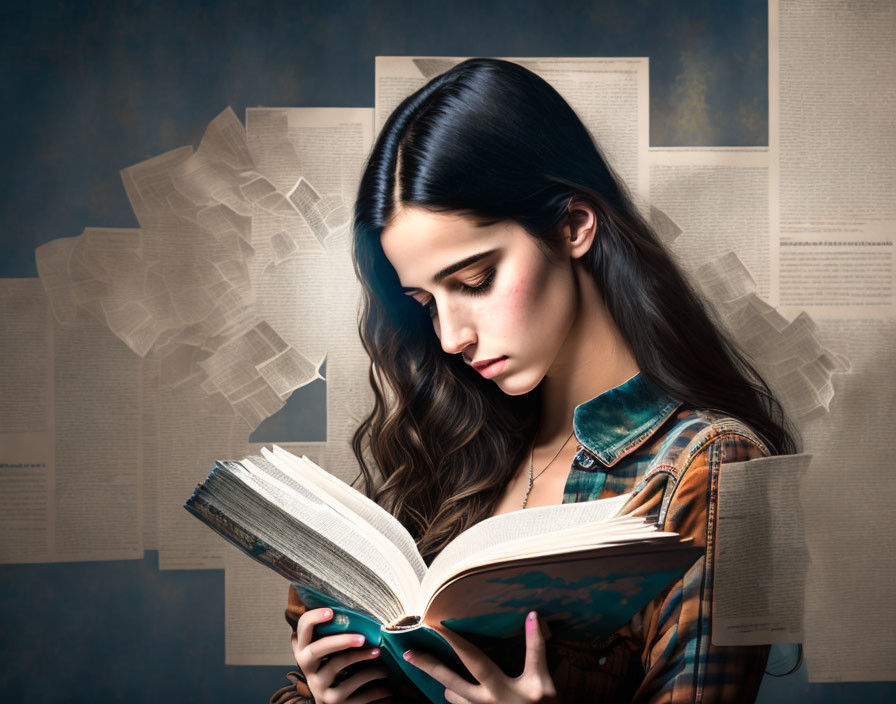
(426, 640)
(392, 643)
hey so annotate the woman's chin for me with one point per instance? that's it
(516, 384)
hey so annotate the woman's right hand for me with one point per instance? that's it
(343, 650)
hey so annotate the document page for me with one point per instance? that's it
(98, 498)
(27, 471)
(717, 197)
(195, 429)
(302, 271)
(761, 557)
(832, 92)
(847, 501)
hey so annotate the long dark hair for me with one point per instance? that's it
(491, 140)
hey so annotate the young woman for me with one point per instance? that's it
(532, 342)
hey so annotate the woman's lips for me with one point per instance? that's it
(490, 367)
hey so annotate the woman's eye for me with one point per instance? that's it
(473, 289)
(482, 285)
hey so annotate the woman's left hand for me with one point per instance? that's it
(534, 685)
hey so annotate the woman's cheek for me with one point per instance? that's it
(514, 313)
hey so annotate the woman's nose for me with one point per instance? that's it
(454, 332)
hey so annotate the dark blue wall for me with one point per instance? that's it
(90, 89)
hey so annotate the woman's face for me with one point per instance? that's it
(492, 292)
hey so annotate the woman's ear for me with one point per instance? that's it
(582, 228)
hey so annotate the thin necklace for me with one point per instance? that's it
(532, 461)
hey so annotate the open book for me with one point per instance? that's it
(584, 567)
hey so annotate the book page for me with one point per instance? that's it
(610, 95)
(514, 526)
(254, 523)
(295, 521)
(832, 91)
(27, 477)
(761, 557)
(350, 503)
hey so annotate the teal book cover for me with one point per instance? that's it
(583, 596)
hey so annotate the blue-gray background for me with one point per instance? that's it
(90, 89)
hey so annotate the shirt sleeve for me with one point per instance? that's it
(297, 691)
(680, 662)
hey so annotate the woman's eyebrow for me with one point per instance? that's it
(449, 270)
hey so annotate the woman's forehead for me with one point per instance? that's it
(419, 243)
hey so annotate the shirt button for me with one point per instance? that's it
(602, 661)
(584, 460)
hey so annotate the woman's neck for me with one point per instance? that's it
(593, 359)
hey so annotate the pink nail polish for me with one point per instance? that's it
(408, 654)
(530, 623)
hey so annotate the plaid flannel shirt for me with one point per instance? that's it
(634, 438)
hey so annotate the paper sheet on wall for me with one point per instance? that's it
(76, 494)
(195, 429)
(710, 207)
(832, 92)
(847, 500)
(97, 408)
(314, 295)
(151, 455)
(27, 474)
(718, 199)
(288, 267)
(349, 396)
(832, 117)
(761, 556)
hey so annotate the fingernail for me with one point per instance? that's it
(328, 613)
(375, 652)
(530, 622)
(408, 654)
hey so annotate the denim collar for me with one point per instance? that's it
(614, 423)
